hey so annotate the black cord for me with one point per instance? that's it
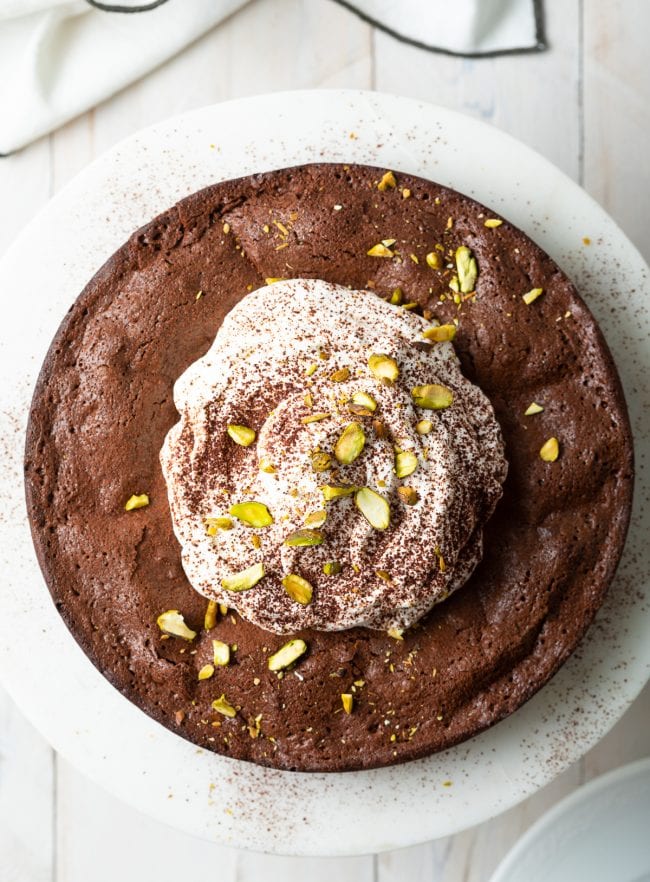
(111, 7)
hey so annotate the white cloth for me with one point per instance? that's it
(460, 27)
(60, 57)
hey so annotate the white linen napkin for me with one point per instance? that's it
(60, 57)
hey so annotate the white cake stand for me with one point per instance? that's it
(53, 682)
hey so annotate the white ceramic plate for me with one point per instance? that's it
(599, 833)
(107, 737)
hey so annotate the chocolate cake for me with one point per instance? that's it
(358, 697)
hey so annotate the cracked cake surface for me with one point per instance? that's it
(104, 404)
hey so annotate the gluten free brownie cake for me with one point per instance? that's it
(103, 407)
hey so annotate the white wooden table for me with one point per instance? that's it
(585, 104)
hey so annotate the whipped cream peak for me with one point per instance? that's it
(290, 362)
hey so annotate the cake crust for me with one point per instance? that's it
(103, 405)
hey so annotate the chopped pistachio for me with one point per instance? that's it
(347, 700)
(434, 260)
(466, 268)
(360, 411)
(364, 400)
(396, 297)
(314, 418)
(406, 193)
(492, 223)
(206, 672)
(384, 574)
(406, 462)
(387, 181)
(350, 444)
(241, 435)
(210, 618)
(304, 538)
(532, 295)
(454, 284)
(316, 519)
(308, 399)
(432, 396)
(373, 507)
(215, 524)
(412, 305)
(254, 514)
(311, 370)
(298, 588)
(287, 654)
(408, 495)
(440, 333)
(266, 465)
(396, 633)
(380, 250)
(332, 568)
(321, 461)
(223, 609)
(220, 653)
(223, 707)
(256, 542)
(533, 408)
(330, 492)
(134, 502)
(550, 450)
(340, 376)
(424, 427)
(271, 280)
(383, 367)
(244, 580)
(172, 622)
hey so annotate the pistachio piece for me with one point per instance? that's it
(467, 269)
(222, 706)
(311, 370)
(440, 333)
(332, 568)
(267, 466)
(241, 435)
(396, 297)
(316, 519)
(432, 397)
(206, 672)
(134, 502)
(350, 444)
(271, 280)
(533, 408)
(424, 427)
(223, 609)
(434, 260)
(408, 495)
(347, 700)
(550, 450)
(383, 367)
(245, 579)
(380, 428)
(321, 461)
(255, 514)
(304, 538)
(298, 588)
(364, 400)
(340, 376)
(210, 618)
(492, 223)
(396, 633)
(360, 411)
(314, 418)
(213, 525)
(287, 654)
(380, 250)
(454, 284)
(384, 575)
(406, 462)
(387, 181)
(532, 295)
(172, 622)
(330, 492)
(220, 653)
(373, 507)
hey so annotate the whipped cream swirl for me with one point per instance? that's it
(270, 368)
